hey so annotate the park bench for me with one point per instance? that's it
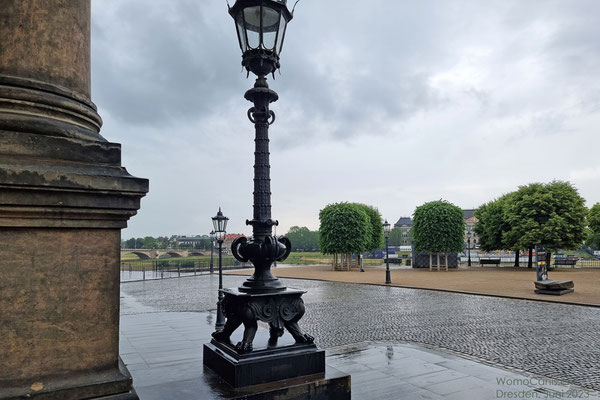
(566, 261)
(491, 261)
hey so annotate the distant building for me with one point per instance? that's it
(470, 221)
(228, 240)
(195, 242)
(405, 224)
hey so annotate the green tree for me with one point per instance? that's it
(395, 238)
(551, 215)
(303, 239)
(163, 242)
(492, 226)
(376, 240)
(593, 223)
(344, 228)
(438, 227)
(149, 243)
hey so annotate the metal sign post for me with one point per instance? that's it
(541, 267)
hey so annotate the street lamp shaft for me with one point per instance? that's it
(388, 278)
(220, 267)
(212, 246)
(469, 250)
(220, 316)
(261, 96)
(262, 181)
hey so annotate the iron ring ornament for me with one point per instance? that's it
(270, 249)
(252, 115)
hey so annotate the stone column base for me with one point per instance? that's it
(111, 384)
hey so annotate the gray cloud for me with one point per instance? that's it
(388, 103)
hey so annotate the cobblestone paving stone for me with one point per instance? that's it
(554, 340)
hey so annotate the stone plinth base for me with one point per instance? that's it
(554, 292)
(332, 385)
(112, 384)
(556, 288)
(285, 360)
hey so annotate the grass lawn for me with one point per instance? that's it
(296, 258)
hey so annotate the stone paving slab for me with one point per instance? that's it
(542, 339)
(379, 370)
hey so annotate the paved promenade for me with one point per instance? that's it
(503, 281)
(381, 335)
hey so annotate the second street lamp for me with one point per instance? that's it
(469, 245)
(220, 226)
(212, 247)
(386, 231)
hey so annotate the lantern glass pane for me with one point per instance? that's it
(252, 18)
(270, 27)
(215, 225)
(281, 34)
(225, 224)
(241, 33)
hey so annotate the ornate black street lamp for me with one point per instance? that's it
(261, 27)
(469, 245)
(212, 246)
(386, 230)
(220, 226)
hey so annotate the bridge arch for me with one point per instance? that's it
(171, 254)
(142, 256)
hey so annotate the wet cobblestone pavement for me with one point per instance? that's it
(548, 339)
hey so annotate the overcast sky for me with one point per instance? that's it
(387, 103)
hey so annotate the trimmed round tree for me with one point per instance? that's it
(438, 227)
(345, 229)
(593, 223)
(376, 239)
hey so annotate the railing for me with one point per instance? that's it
(143, 270)
(510, 262)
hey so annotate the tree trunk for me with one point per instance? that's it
(516, 258)
(438, 261)
(430, 261)
(446, 255)
(530, 262)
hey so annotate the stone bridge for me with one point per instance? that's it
(146, 254)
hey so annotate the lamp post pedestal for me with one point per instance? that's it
(273, 351)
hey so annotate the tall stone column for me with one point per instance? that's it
(64, 198)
